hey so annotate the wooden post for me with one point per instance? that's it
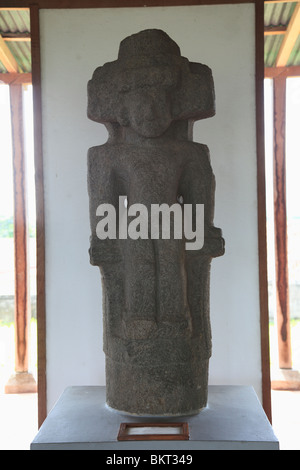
(261, 211)
(40, 212)
(22, 381)
(280, 222)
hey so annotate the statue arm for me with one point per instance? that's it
(197, 186)
(101, 189)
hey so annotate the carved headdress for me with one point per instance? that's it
(151, 57)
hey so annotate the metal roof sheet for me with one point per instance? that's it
(294, 58)
(22, 53)
(2, 68)
(17, 21)
(14, 21)
(278, 14)
(271, 49)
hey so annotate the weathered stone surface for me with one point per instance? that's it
(157, 336)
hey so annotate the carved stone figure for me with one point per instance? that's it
(157, 336)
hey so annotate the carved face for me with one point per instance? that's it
(146, 100)
(148, 112)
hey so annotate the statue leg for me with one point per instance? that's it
(140, 314)
(171, 282)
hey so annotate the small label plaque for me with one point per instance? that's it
(153, 432)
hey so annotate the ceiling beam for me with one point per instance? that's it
(16, 37)
(13, 8)
(16, 78)
(7, 58)
(8, 4)
(279, 1)
(290, 38)
(274, 30)
(272, 72)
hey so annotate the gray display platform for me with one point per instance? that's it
(233, 420)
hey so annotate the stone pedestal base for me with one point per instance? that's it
(285, 379)
(233, 420)
(166, 390)
(21, 382)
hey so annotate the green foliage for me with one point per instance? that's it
(7, 228)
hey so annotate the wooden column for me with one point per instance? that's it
(22, 381)
(280, 222)
(40, 213)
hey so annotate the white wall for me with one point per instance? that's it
(73, 44)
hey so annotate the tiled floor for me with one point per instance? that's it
(18, 420)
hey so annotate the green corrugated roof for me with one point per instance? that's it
(2, 68)
(272, 46)
(17, 21)
(279, 14)
(295, 54)
(275, 14)
(14, 21)
(22, 53)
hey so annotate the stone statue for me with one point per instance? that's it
(157, 337)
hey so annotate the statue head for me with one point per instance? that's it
(149, 86)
